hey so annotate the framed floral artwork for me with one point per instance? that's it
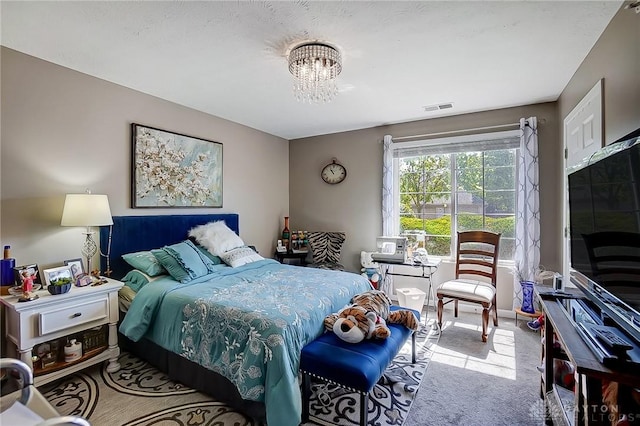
(174, 170)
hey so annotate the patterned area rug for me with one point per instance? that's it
(139, 394)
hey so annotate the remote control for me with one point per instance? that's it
(611, 339)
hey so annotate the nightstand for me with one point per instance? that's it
(291, 258)
(82, 313)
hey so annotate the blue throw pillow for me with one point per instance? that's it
(135, 280)
(146, 262)
(216, 260)
(184, 261)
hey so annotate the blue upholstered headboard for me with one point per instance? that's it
(137, 233)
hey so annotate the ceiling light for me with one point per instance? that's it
(315, 67)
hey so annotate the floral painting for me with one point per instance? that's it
(174, 170)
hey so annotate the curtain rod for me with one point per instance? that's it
(455, 131)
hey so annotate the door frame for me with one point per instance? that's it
(595, 94)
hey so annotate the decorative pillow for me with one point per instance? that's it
(146, 262)
(326, 246)
(136, 279)
(184, 261)
(240, 256)
(216, 237)
(213, 258)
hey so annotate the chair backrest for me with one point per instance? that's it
(477, 254)
(326, 246)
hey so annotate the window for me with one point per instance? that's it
(457, 184)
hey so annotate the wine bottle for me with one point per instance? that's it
(286, 233)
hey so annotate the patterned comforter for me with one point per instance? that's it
(247, 324)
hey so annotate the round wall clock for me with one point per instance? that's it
(333, 172)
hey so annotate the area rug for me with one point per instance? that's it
(139, 395)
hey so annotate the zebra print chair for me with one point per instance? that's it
(325, 249)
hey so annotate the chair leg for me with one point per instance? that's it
(440, 308)
(413, 347)
(485, 322)
(455, 309)
(495, 315)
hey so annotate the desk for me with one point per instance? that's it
(427, 270)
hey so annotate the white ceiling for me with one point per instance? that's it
(229, 58)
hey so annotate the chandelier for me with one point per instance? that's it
(315, 67)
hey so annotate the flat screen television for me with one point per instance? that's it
(604, 231)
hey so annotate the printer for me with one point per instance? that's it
(390, 250)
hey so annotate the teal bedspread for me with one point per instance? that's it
(247, 324)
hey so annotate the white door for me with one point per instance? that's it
(582, 138)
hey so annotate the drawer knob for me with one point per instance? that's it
(76, 315)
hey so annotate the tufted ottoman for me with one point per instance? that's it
(356, 367)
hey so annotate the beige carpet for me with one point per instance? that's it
(473, 383)
(139, 394)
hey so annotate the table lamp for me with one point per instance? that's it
(87, 210)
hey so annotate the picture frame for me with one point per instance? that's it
(54, 276)
(33, 271)
(77, 268)
(174, 170)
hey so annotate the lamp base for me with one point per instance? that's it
(89, 249)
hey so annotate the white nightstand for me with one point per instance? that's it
(50, 318)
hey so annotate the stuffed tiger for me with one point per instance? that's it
(367, 318)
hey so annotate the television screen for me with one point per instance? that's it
(604, 225)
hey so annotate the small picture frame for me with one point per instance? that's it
(58, 276)
(32, 269)
(76, 267)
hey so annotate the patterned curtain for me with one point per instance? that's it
(527, 238)
(388, 215)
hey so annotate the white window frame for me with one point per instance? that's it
(466, 139)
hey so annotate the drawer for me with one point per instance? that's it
(71, 316)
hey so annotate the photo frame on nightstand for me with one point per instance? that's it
(58, 276)
(77, 270)
(32, 270)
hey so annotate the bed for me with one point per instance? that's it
(234, 332)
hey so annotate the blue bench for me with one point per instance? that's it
(356, 367)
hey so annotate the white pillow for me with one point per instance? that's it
(216, 237)
(240, 256)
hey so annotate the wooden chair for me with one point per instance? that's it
(477, 255)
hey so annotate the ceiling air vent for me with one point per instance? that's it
(437, 107)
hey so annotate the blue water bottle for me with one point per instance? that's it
(6, 267)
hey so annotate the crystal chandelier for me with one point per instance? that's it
(315, 67)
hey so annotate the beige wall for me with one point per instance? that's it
(63, 132)
(354, 205)
(616, 59)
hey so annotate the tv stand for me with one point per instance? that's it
(584, 404)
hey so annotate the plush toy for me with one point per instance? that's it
(367, 318)
(370, 269)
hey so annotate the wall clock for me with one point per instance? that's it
(333, 172)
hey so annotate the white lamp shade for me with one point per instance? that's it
(86, 210)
